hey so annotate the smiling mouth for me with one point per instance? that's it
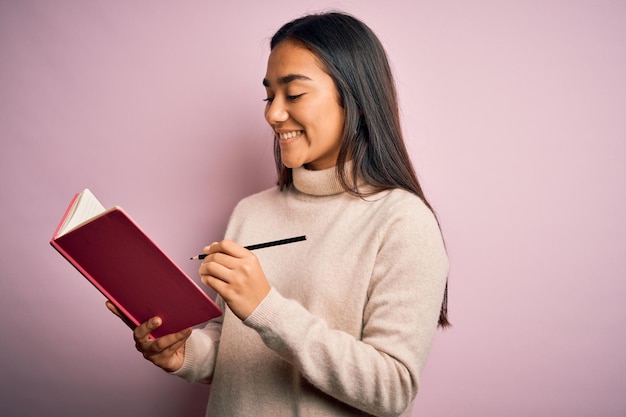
(289, 135)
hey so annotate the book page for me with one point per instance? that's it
(86, 207)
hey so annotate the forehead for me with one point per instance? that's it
(290, 58)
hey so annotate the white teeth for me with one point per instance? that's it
(289, 135)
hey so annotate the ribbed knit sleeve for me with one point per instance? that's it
(201, 351)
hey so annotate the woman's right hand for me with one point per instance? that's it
(166, 352)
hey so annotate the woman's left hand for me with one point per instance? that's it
(236, 275)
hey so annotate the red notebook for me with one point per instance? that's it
(128, 268)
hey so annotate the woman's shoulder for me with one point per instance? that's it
(259, 195)
(263, 197)
(401, 199)
(405, 207)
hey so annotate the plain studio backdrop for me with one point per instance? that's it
(514, 116)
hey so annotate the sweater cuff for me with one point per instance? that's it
(266, 313)
(196, 349)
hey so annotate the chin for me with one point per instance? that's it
(292, 164)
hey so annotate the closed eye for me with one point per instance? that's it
(294, 98)
(290, 98)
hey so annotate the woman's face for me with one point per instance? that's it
(303, 108)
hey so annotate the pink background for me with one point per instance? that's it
(514, 113)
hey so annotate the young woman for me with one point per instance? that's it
(339, 324)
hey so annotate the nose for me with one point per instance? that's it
(276, 111)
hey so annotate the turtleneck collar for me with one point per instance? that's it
(320, 183)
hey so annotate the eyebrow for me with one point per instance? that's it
(287, 79)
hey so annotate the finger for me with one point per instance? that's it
(220, 286)
(142, 332)
(166, 342)
(113, 309)
(181, 341)
(210, 249)
(223, 259)
(230, 248)
(216, 270)
(169, 343)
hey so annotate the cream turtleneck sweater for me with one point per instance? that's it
(352, 312)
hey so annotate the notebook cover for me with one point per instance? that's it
(131, 271)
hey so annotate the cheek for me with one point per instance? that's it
(329, 118)
(336, 120)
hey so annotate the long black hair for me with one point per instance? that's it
(372, 136)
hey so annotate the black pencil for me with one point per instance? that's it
(262, 245)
